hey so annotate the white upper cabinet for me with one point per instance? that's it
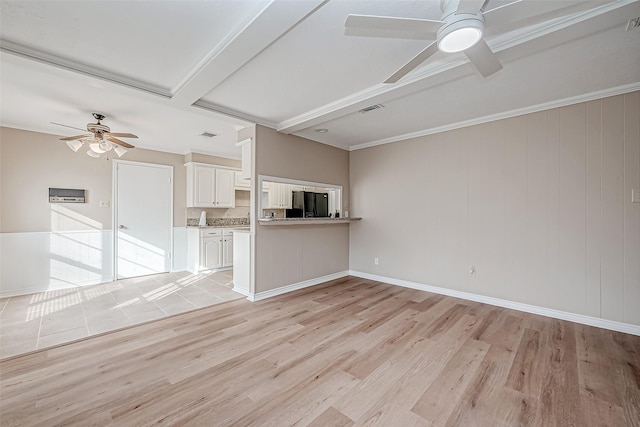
(210, 187)
(241, 183)
(204, 189)
(225, 188)
(278, 196)
(245, 145)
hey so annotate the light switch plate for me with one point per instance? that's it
(635, 195)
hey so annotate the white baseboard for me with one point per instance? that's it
(556, 314)
(295, 286)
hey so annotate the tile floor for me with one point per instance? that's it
(46, 319)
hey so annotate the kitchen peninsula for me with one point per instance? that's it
(306, 221)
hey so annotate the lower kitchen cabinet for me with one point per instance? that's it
(209, 249)
(227, 250)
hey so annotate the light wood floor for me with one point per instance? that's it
(349, 352)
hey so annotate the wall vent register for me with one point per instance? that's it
(66, 195)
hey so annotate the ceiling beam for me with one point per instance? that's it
(425, 77)
(270, 23)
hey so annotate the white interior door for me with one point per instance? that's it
(143, 218)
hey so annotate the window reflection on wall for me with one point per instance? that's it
(78, 249)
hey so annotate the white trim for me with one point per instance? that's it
(548, 312)
(247, 294)
(243, 142)
(294, 287)
(77, 67)
(281, 180)
(632, 87)
(114, 216)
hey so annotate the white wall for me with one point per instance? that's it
(540, 204)
(41, 261)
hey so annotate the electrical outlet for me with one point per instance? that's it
(472, 271)
(375, 261)
(104, 203)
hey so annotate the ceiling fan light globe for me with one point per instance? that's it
(75, 144)
(93, 154)
(95, 147)
(105, 145)
(460, 33)
(120, 151)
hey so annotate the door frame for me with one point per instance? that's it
(114, 209)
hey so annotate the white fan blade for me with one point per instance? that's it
(386, 26)
(417, 60)
(483, 59)
(388, 34)
(470, 6)
(529, 12)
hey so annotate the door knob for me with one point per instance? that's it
(121, 227)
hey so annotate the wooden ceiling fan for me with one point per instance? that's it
(100, 139)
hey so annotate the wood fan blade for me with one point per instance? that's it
(71, 138)
(483, 59)
(122, 135)
(117, 141)
(390, 27)
(417, 60)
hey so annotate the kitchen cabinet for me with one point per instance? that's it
(242, 262)
(209, 249)
(242, 183)
(227, 250)
(210, 186)
(276, 196)
(245, 146)
(225, 188)
(211, 252)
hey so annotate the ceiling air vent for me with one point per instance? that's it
(371, 108)
(633, 23)
(208, 134)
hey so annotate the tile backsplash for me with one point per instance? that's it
(219, 222)
(219, 216)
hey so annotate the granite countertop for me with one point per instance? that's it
(236, 226)
(219, 222)
(301, 221)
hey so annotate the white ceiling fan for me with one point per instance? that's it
(461, 28)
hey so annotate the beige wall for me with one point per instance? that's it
(286, 255)
(540, 204)
(31, 162)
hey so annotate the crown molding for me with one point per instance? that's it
(77, 67)
(619, 90)
(233, 113)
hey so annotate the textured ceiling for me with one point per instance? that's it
(167, 71)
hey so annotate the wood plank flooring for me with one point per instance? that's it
(348, 352)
